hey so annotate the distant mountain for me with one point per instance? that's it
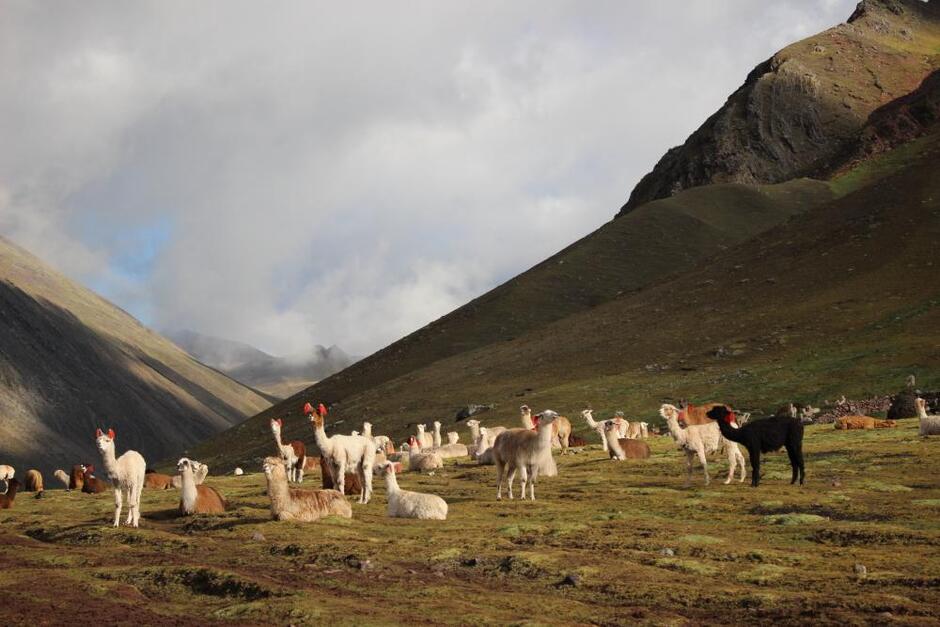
(800, 109)
(71, 362)
(277, 376)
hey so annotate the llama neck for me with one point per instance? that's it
(109, 461)
(391, 482)
(277, 437)
(677, 434)
(474, 432)
(324, 442)
(527, 422)
(278, 491)
(613, 442)
(729, 432)
(590, 421)
(545, 435)
(188, 490)
(921, 411)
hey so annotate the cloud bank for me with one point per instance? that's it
(295, 173)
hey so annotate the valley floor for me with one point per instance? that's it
(606, 543)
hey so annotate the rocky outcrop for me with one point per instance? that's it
(800, 111)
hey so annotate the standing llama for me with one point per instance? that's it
(126, 474)
(763, 436)
(522, 450)
(699, 440)
(344, 451)
(294, 453)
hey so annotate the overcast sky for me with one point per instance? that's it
(295, 173)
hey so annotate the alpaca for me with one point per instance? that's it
(624, 448)
(238, 472)
(197, 499)
(929, 424)
(344, 451)
(6, 500)
(77, 477)
(158, 481)
(424, 438)
(863, 422)
(351, 482)
(484, 449)
(598, 427)
(126, 474)
(63, 478)
(700, 440)
(436, 440)
(300, 504)
(90, 483)
(561, 427)
(764, 436)
(453, 437)
(422, 461)
(293, 453)
(33, 481)
(522, 450)
(406, 504)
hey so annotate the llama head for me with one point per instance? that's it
(587, 413)
(668, 411)
(421, 428)
(276, 424)
(525, 410)
(185, 465)
(720, 412)
(385, 468)
(104, 441)
(546, 417)
(610, 425)
(437, 425)
(366, 427)
(473, 423)
(354, 433)
(920, 403)
(273, 467)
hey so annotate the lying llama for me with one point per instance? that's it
(491, 433)
(63, 478)
(6, 473)
(624, 448)
(561, 427)
(157, 481)
(293, 453)
(238, 472)
(862, 422)
(407, 504)
(91, 484)
(77, 477)
(453, 437)
(763, 436)
(6, 500)
(422, 461)
(929, 424)
(522, 450)
(197, 499)
(300, 504)
(33, 481)
(483, 450)
(700, 441)
(344, 451)
(126, 474)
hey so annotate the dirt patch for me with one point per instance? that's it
(861, 537)
(201, 581)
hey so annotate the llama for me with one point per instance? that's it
(6, 500)
(33, 481)
(491, 432)
(453, 437)
(300, 504)
(293, 453)
(77, 477)
(90, 483)
(449, 451)
(763, 436)
(6, 474)
(436, 440)
(863, 422)
(929, 424)
(344, 451)
(158, 481)
(700, 440)
(624, 448)
(126, 474)
(422, 461)
(484, 448)
(561, 427)
(384, 444)
(598, 427)
(407, 504)
(522, 450)
(63, 478)
(367, 429)
(693, 414)
(197, 499)
(424, 438)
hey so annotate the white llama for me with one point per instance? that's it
(126, 474)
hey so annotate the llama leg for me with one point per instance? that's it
(135, 505)
(365, 478)
(117, 505)
(523, 480)
(499, 480)
(532, 477)
(704, 462)
(754, 454)
(741, 463)
(799, 460)
(300, 469)
(794, 464)
(732, 461)
(339, 477)
(688, 468)
(511, 478)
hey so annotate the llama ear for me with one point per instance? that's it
(111, 433)
(98, 433)
(308, 409)
(322, 409)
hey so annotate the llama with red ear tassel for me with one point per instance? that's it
(126, 474)
(352, 453)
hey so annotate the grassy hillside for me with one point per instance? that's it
(605, 543)
(842, 299)
(70, 361)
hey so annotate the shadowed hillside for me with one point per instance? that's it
(799, 110)
(71, 362)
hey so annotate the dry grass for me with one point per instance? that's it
(777, 553)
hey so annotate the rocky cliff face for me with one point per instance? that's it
(799, 111)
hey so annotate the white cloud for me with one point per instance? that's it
(346, 174)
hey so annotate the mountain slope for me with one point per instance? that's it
(841, 299)
(798, 111)
(277, 376)
(70, 362)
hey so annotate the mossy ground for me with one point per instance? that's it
(634, 544)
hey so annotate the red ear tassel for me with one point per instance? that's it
(111, 433)
(98, 433)
(322, 409)
(731, 417)
(308, 409)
